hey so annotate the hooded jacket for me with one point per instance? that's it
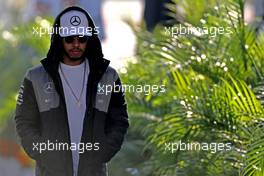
(41, 114)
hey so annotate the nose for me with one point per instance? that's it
(76, 42)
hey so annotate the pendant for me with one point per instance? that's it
(78, 103)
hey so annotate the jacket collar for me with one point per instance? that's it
(97, 69)
(97, 66)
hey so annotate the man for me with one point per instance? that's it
(67, 120)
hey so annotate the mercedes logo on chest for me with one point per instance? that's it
(75, 20)
(49, 87)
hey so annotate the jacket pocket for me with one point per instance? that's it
(108, 151)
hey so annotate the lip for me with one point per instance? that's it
(75, 52)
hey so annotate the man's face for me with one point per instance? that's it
(74, 47)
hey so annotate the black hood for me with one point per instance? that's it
(93, 50)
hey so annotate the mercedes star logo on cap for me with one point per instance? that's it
(75, 20)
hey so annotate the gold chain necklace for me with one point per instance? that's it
(78, 100)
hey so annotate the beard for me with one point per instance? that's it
(74, 58)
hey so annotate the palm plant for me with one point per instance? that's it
(209, 97)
